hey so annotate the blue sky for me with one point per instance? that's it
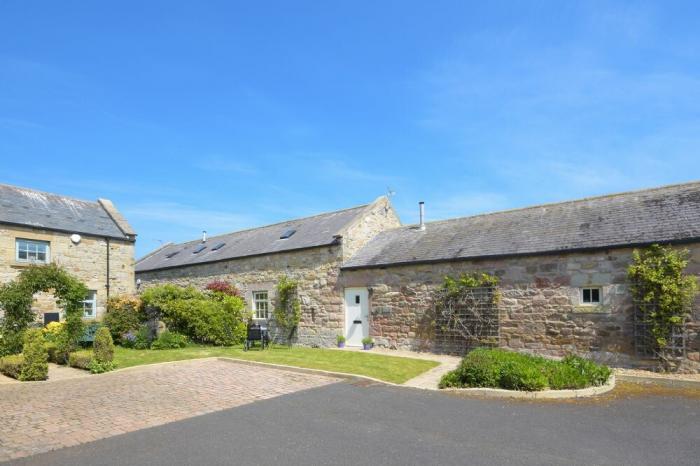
(226, 115)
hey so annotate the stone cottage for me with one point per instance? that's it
(91, 240)
(310, 250)
(562, 269)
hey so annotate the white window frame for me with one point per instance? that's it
(92, 303)
(35, 251)
(591, 302)
(256, 300)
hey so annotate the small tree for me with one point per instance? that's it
(35, 365)
(659, 284)
(287, 312)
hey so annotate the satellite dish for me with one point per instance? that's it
(75, 238)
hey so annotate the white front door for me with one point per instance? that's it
(356, 315)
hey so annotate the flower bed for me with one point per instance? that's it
(496, 368)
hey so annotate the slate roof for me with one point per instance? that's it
(36, 209)
(315, 231)
(660, 215)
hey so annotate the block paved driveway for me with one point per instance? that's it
(42, 416)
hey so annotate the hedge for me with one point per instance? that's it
(11, 366)
(80, 359)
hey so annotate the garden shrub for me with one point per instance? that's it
(103, 352)
(35, 365)
(124, 314)
(103, 348)
(210, 317)
(80, 359)
(53, 330)
(169, 340)
(97, 367)
(10, 341)
(225, 288)
(11, 365)
(498, 368)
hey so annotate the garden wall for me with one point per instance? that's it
(540, 306)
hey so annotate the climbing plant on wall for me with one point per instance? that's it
(465, 313)
(16, 299)
(287, 312)
(664, 295)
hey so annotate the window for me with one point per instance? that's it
(218, 246)
(260, 304)
(199, 249)
(32, 251)
(90, 305)
(590, 296)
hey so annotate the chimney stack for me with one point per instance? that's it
(421, 206)
(204, 236)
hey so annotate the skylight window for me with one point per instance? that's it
(288, 233)
(199, 248)
(218, 246)
(171, 254)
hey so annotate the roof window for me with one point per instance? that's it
(288, 233)
(199, 248)
(171, 254)
(218, 246)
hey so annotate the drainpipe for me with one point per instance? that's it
(107, 284)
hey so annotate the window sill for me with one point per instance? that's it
(23, 265)
(592, 309)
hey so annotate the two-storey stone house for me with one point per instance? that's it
(91, 240)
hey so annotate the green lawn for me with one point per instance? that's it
(388, 368)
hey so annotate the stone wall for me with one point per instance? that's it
(86, 260)
(316, 270)
(540, 306)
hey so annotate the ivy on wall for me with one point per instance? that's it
(287, 312)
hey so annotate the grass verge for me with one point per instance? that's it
(388, 368)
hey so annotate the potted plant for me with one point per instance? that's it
(341, 341)
(367, 343)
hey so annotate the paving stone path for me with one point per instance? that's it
(41, 416)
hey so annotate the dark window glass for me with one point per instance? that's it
(357, 299)
(595, 295)
(587, 295)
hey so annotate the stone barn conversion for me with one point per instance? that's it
(310, 250)
(91, 240)
(562, 269)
